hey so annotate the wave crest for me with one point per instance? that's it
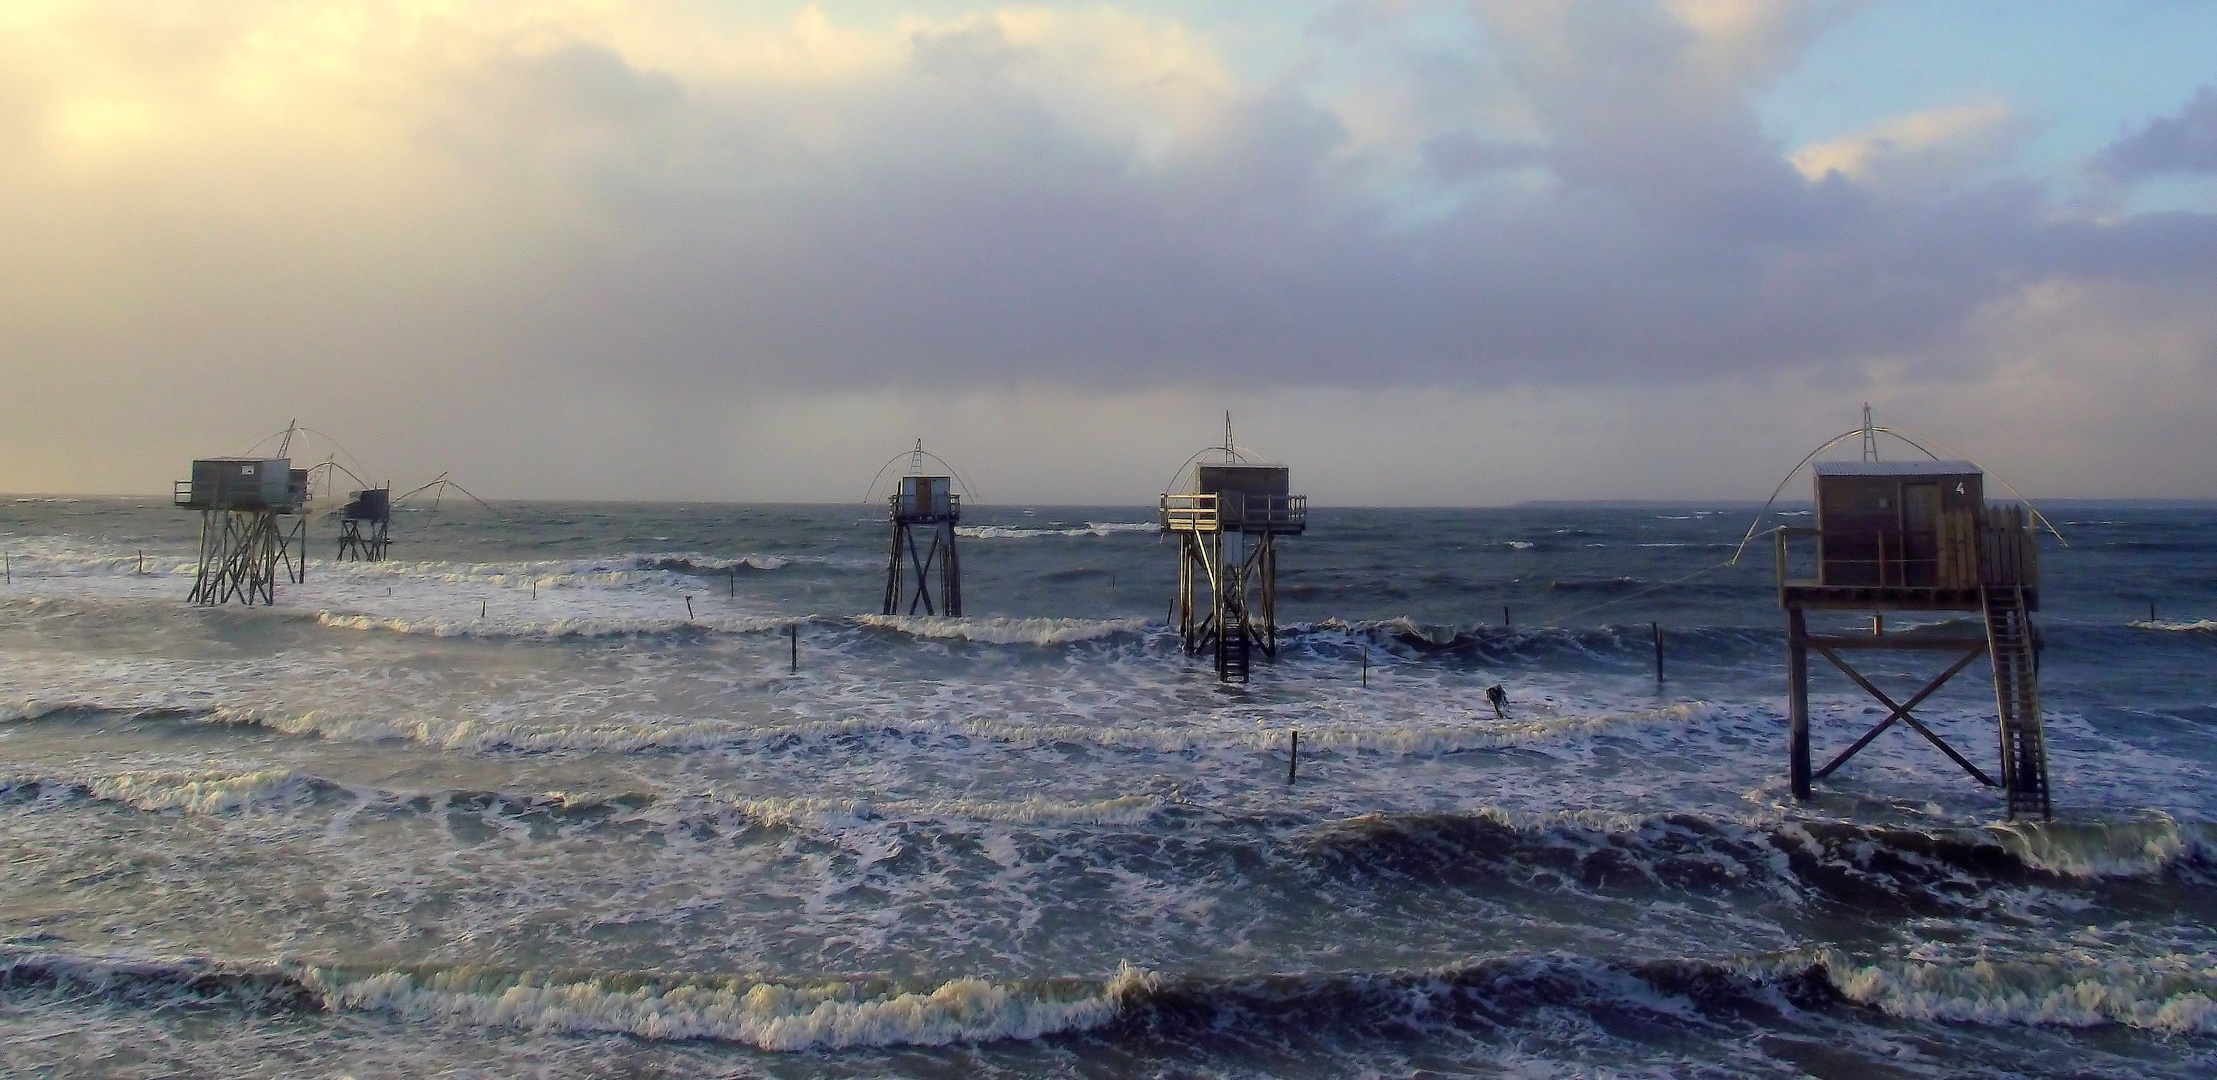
(1004, 630)
(580, 627)
(2176, 993)
(1090, 528)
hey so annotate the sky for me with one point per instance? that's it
(1427, 253)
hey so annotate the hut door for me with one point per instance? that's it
(1920, 526)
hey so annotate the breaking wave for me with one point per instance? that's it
(1004, 630)
(645, 734)
(1090, 528)
(2198, 626)
(189, 792)
(1865, 866)
(220, 792)
(767, 1013)
(550, 629)
(2170, 993)
(2176, 993)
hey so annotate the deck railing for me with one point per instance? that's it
(919, 510)
(1189, 513)
(1236, 511)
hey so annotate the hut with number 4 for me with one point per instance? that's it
(1917, 536)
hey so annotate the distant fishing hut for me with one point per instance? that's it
(243, 543)
(923, 512)
(365, 525)
(1917, 536)
(1227, 523)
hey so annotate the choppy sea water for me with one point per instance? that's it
(503, 806)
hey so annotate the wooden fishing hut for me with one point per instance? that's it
(928, 505)
(365, 525)
(1228, 527)
(1918, 537)
(243, 543)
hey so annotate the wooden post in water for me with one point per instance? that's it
(481, 609)
(1504, 616)
(1797, 701)
(2151, 609)
(1366, 666)
(1657, 630)
(688, 608)
(1293, 755)
(731, 581)
(793, 634)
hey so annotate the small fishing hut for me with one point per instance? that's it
(1901, 536)
(923, 511)
(365, 525)
(244, 544)
(1227, 523)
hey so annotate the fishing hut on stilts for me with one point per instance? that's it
(923, 511)
(1916, 536)
(1227, 525)
(365, 525)
(251, 526)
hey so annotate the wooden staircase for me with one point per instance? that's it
(1234, 647)
(2010, 644)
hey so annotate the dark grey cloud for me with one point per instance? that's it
(2184, 143)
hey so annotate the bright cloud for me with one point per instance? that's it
(519, 233)
(1944, 142)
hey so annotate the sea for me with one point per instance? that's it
(593, 789)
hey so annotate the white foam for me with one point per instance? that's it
(2203, 626)
(2093, 849)
(1406, 741)
(816, 812)
(192, 792)
(1004, 630)
(571, 627)
(2172, 993)
(29, 709)
(1090, 528)
(770, 1015)
(613, 735)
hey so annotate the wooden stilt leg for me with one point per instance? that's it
(1797, 701)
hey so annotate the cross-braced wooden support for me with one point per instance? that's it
(2023, 758)
(366, 545)
(243, 551)
(1240, 573)
(910, 567)
(1897, 711)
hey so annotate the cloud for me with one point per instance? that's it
(2184, 143)
(460, 222)
(1929, 146)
